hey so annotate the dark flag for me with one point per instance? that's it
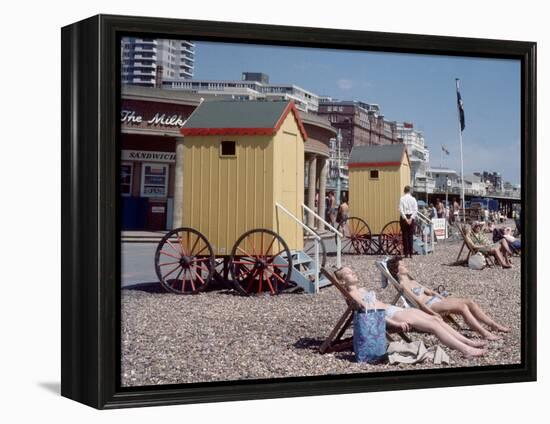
(444, 150)
(460, 104)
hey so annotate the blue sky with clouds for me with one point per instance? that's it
(408, 87)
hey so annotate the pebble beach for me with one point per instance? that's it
(222, 336)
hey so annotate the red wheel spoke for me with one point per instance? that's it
(162, 252)
(262, 244)
(276, 276)
(248, 271)
(202, 250)
(268, 283)
(177, 277)
(189, 241)
(183, 281)
(179, 266)
(201, 260)
(169, 263)
(180, 241)
(278, 265)
(354, 226)
(261, 280)
(244, 263)
(245, 252)
(194, 245)
(197, 275)
(191, 280)
(173, 247)
(203, 268)
(270, 245)
(275, 255)
(251, 244)
(362, 226)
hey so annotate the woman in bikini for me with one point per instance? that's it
(407, 319)
(470, 311)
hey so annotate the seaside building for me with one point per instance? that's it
(360, 124)
(493, 180)
(476, 185)
(419, 154)
(440, 177)
(252, 86)
(148, 61)
(151, 119)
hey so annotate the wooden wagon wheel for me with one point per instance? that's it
(356, 233)
(260, 262)
(184, 261)
(309, 249)
(391, 239)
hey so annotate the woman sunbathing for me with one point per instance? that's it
(470, 311)
(407, 319)
(480, 242)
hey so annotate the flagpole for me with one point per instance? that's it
(461, 155)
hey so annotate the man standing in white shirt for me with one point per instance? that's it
(407, 209)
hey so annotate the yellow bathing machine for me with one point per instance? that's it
(242, 186)
(377, 177)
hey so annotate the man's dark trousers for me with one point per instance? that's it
(407, 232)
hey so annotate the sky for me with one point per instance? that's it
(408, 87)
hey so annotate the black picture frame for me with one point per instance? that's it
(90, 210)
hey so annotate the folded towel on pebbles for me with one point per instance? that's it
(416, 352)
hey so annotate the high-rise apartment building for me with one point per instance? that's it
(148, 62)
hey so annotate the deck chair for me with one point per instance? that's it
(408, 297)
(334, 341)
(470, 249)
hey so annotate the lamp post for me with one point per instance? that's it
(447, 185)
(338, 182)
(426, 189)
(447, 208)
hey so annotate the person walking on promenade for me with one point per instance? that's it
(440, 209)
(456, 208)
(407, 210)
(331, 208)
(343, 211)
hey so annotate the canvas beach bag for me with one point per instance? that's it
(477, 261)
(369, 333)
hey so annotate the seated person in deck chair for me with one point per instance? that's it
(499, 250)
(513, 242)
(470, 311)
(406, 319)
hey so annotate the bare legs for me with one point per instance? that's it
(506, 247)
(435, 325)
(472, 314)
(501, 258)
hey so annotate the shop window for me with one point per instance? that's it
(228, 148)
(126, 173)
(154, 180)
(374, 174)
